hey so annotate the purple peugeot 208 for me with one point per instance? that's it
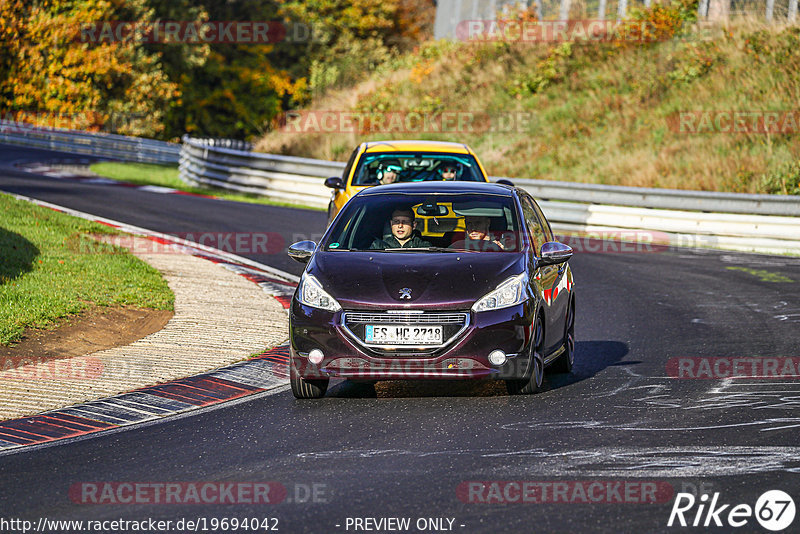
(433, 280)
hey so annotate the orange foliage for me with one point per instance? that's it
(50, 78)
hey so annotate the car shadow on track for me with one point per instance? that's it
(591, 357)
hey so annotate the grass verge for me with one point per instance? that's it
(167, 176)
(44, 275)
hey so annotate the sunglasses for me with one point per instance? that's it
(394, 168)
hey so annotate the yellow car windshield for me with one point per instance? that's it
(416, 167)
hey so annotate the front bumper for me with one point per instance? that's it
(465, 356)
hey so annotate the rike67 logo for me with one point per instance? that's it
(774, 510)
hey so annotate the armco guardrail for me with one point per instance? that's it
(759, 223)
(279, 177)
(671, 199)
(107, 146)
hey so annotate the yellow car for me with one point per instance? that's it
(383, 162)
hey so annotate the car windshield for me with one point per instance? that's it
(431, 222)
(417, 167)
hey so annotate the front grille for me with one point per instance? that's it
(406, 318)
(453, 324)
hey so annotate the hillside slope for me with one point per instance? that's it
(622, 112)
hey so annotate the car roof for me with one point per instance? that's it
(486, 188)
(414, 145)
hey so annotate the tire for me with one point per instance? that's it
(533, 383)
(306, 388)
(565, 362)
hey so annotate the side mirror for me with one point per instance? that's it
(554, 253)
(505, 181)
(334, 182)
(302, 251)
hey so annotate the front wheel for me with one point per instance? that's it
(533, 383)
(303, 388)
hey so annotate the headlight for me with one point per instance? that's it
(312, 294)
(509, 293)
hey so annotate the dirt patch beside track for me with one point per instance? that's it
(96, 329)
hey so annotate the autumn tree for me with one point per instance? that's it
(227, 89)
(49, 76)
(349, 38)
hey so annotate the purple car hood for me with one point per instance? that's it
(376, 280)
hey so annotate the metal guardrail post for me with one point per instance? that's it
(622, 10)
(702, 9)
(564, 10)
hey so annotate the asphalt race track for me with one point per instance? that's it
(608, 447)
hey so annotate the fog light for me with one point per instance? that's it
(315, 356)
(497, 357)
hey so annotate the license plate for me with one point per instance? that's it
(403, 335)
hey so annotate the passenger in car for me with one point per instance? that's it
(476, 236)
(449, 171)
(403, 233)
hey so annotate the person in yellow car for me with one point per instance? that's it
(389, 171)
(449, 171)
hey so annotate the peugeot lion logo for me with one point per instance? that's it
(405, 293)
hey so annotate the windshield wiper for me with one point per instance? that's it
(424, 249)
